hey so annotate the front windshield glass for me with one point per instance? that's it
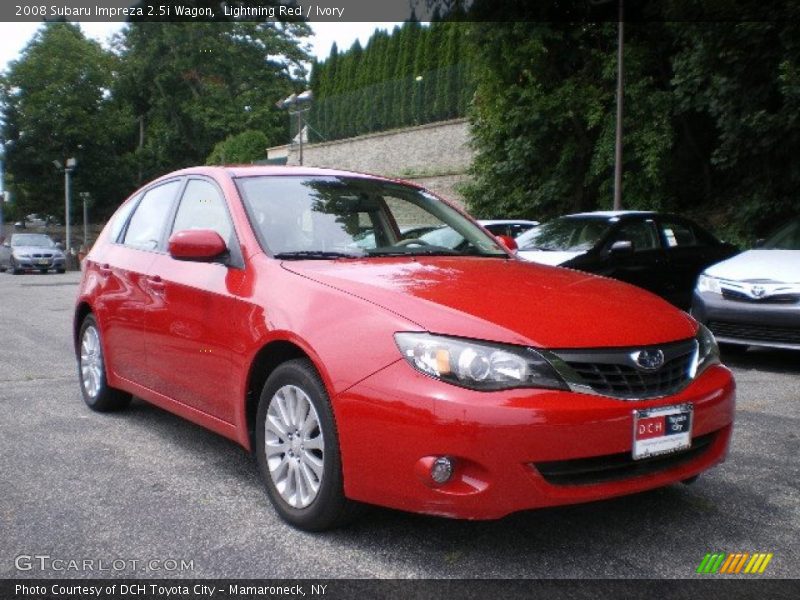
(566, 234)
(32, 239)
(331, 217)
(786, 238)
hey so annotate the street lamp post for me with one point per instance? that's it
(85, 198)
(298, 102)
(68, 168)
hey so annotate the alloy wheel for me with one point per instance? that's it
(91, 362)
(294, 446)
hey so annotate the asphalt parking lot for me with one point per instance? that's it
(143, 486)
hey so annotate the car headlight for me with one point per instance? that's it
(706, 283)
(478, 365)
(21, 255)
(707, 351)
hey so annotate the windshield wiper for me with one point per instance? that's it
(315, 254)
(416, 252)
(540, 248)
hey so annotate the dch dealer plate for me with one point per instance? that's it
(662, 430)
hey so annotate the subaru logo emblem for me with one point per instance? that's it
(757, 291)
(648, 360)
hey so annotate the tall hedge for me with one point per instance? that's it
(415, 74)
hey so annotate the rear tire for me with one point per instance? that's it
(92, 371)
(297, 449)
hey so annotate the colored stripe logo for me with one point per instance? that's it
(734, 563)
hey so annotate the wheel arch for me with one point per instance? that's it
(81, 311)
(266, 360)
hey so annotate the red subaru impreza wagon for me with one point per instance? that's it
(370, 343)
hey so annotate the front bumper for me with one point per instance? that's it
(749, 323)
(36, 264)
(395, 420)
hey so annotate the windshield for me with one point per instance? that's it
(566, 234)
(786, 238)
(309, 217)
(37, 240)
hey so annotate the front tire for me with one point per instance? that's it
(14, 269)
(92, 371)
(297, 449)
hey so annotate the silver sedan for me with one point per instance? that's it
(31, 252)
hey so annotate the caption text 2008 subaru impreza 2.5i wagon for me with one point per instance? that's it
(455, 381)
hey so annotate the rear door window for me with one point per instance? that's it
(678, 234)
(642, 234)
(121, 218)
(146, 227)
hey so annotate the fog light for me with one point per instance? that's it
(442, 469)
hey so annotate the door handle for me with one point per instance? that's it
(155, 283)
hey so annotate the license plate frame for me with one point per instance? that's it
(662, 430)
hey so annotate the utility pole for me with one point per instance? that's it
(2, 190)
(620, 90)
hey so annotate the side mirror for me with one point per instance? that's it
(200, 245)
(508, 242)
(6, 244)
(621, 247)
(59, 245)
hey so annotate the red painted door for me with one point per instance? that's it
(191, 332)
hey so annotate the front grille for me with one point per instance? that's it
(614, 467)
(754, 332)
(612, 372)
(774, 299)
(42, 255)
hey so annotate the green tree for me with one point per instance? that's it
(737, 95)
(543, 119)
(540, 106)
(242, 148)
(57, 103)
(194, 84)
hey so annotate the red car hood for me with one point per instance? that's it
(509, 301)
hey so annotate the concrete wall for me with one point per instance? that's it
(435, 155)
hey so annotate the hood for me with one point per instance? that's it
(547, 257)
(760, 265)
(506, 300)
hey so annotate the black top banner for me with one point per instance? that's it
(400, 10)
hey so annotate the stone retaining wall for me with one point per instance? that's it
(436, 155)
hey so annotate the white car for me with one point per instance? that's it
(753, 299)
